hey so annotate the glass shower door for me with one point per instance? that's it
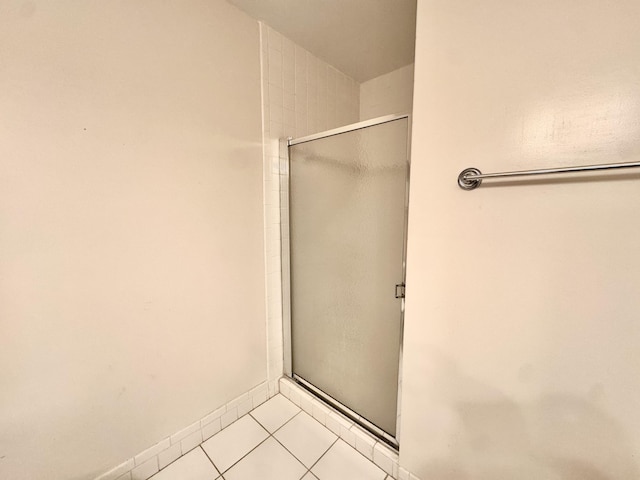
(347, 201)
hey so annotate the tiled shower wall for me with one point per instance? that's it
(301, 95)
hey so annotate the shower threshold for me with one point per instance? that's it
(347, 412)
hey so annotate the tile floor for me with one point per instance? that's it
(277, 440)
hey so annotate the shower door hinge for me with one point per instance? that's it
(401, 287)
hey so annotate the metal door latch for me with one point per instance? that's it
(401, 287)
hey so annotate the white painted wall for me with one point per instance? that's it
(387, 94)
(132, 284)
(522, 340)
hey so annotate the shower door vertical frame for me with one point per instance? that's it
(285, 230)
(285, 255)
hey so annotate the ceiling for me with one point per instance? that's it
(362, 38)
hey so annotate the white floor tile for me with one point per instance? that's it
(274, 413)
(342, 461)
(270, 461)
(193, 466)
(231, 444)
(305, 438)
(309, 476)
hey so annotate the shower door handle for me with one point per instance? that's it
(401, 287)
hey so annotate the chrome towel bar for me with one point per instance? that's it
(471, 178)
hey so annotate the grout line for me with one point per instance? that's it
(207, 455)
(290, 452)
(245, 455)
(277, 429)
(224, 428)
(258, 422)
(308, 472)
(308, 469)
(323, 426)
(182, 456)
(330, 446)
(278, 441)
(251, 417)
(241, 458)
(168, 464)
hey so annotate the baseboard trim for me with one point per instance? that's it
(150, 461)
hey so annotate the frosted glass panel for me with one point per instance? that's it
(347, 220)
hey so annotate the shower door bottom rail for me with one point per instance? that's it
(347, 412)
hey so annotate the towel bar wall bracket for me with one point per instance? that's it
(468, 184)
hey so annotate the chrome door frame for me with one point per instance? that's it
(286, 272)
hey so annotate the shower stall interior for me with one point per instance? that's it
(344, 221)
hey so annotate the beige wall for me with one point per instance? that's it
(387, 94)
(522, 340)
(131, 253)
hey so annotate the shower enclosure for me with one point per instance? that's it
(344, 252)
